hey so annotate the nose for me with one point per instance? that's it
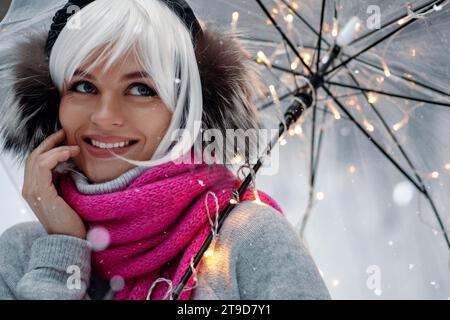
(108, 112)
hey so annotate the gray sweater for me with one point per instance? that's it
(258, 256)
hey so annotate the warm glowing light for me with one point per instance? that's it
(257, 198)
(298, 129)
(235, 16)
(262, 58)
(236, 159)
(435, 174)
(283, 142)
(447, 166)
(372, 97)
(369, 126)
(233, 201)
(289, 18)
(273, 93)
(402, 20)
(380, 79)
(413, 52)
(335, 283)
(234, 20)
(295, 5)
(294, 65)
(335, 30)
(209, 253)
(400, 124)
(291, 132)
(275, 11)
(387, 72)
(333, 109)
(306, 57)
(352, 169)
(320, 196)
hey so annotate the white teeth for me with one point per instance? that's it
(102, 145)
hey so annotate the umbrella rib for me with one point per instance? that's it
(280, 68)
(390, 22)
(415, 82)
(319, 41)
(388, 129)
(289, 94)
(284, 36)
(401, 27)
(299, 16)
(380, 148)
(408, 160)
(314, 167)
(390, 94)
(290, 63)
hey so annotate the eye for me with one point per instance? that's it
(83, 87)
(140, 89)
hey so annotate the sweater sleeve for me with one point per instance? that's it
(272, 261)
(35, 265)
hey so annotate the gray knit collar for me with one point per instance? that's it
(86, 187)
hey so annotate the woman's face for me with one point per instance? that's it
(109, 110)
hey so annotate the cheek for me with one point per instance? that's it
(70, 118)
(156, 122)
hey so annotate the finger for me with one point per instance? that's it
(51, 160)
(50, 142)
(51, 152)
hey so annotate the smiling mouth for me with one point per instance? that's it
(105, 146)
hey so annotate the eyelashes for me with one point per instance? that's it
(85, 87)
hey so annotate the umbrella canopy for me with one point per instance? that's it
(367, 167)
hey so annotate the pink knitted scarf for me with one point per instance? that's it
(156, 224)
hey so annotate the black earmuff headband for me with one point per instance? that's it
(180, 7)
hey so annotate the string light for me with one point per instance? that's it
(262, 58)
(352, 169)
(380, 79)
(447, 166)
(306, 57)
(275, 11)
(403, 20)
(320, 196)
(333, 109)
(387, 72)
(289, 18)
(400, 124)
(335, 29)
(294, 65)
(413, 52)
(234, 20)
(372, 97)
(435, 174)
(298, 129)
(236, 159)
(368, 126)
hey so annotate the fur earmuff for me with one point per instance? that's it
(227, 75)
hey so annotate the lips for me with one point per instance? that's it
(104, 145)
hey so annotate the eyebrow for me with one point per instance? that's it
(128, 76)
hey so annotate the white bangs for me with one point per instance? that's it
(162, 45)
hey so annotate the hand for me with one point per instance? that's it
(53, 212)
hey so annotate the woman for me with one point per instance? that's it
(125, 100)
